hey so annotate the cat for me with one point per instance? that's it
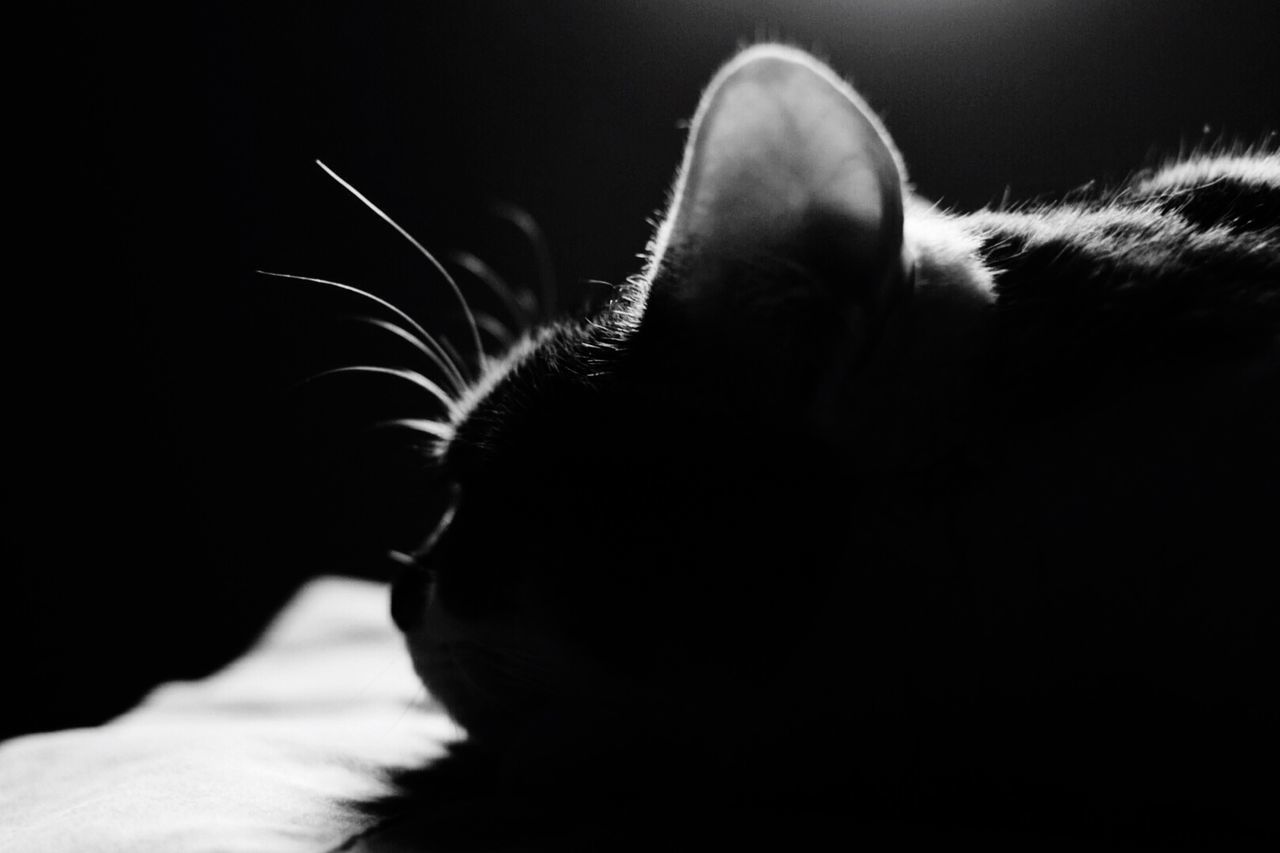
(850, 507)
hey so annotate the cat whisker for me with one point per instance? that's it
(438, 357)
(420, 699)
(453, 285)
(453, 351)
(417, 379)
(527, 226)
(495, 329)
(594, 297)
(520, 313)
(455, 375)
(509, 677)
(435, 429)
(456, 660)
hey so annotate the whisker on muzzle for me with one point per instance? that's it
(423, 336)
(521, 314)
(410, 376)
(437, 356)
(439, 267)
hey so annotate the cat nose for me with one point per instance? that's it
(409, 593)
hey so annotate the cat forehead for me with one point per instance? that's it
(541, 388)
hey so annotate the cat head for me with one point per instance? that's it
(640, 507)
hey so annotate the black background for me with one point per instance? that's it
(158, 512)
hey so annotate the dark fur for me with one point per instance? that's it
(1053, 614)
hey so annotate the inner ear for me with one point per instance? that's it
(784, 157)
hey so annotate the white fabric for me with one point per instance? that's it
(259, 757)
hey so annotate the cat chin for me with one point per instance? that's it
(549, 710)
(491, 675)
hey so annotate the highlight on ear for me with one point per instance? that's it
(783, 155)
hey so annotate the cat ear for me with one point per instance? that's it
(785, 164)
